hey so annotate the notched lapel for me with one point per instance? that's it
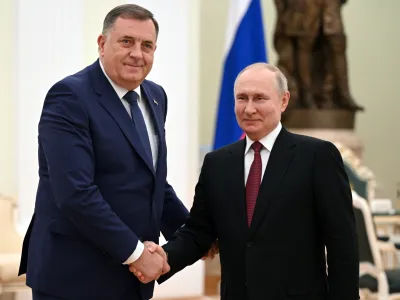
(109, 100)
(281, 156)
(153, 106)
(236, 179)
(155, 114)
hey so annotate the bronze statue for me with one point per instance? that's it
(311, 45)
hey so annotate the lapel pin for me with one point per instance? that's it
(155, 101)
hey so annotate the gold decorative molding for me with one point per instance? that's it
(355, 163)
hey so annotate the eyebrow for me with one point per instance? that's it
(255, 94)
(261, 95)
(127, 37)
(132, 38)
(241, 95)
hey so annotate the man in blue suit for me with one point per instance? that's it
(103, 168)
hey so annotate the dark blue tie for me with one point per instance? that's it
(138, 120)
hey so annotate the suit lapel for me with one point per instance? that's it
(280, 159)
(111, 102)
(236, 181)
(154, 110)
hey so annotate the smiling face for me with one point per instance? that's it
(258, 102)
(127, 51)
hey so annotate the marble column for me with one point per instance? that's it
(48, 45)
(8, 184)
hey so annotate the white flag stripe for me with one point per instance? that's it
(237, 9)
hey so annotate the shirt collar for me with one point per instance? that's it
(119, 90)
(267, 141)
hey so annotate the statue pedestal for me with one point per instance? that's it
(319, 118)
(334, 125)
(345, 136)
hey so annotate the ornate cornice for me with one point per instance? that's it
(352, 160)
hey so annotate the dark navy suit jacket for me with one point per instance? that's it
(98, 194)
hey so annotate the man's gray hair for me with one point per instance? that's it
(280, 78)
(130, 11)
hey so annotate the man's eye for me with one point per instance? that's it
(126, 42)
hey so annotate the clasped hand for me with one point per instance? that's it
(154, 262)
(151, 264)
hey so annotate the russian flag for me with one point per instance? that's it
(245, 45)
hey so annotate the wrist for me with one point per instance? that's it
(166, 255)
(142, 257)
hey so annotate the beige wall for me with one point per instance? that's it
(7, 163)
(95, 12)
(94, 16)
(373, 29)
(373, 47)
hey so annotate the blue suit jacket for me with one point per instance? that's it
(98, 194)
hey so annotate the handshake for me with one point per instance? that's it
(154, 262)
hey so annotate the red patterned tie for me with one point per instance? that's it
(253, 181)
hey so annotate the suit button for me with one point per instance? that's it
(249, 244)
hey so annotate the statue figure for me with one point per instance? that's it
(311, 44)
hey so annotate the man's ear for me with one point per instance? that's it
(101, 40)
(285, 101)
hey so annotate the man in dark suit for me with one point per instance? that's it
(274, 200)
(103, 167)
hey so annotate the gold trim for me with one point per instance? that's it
(362, 171)
(354, 162)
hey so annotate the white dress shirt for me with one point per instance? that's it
(153, 138)
(267, 142)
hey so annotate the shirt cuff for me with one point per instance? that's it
(136, 254)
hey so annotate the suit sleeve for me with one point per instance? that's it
(174, 212)
(194, 239)
(337, 222)
(65, 137)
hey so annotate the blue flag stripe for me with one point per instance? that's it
(248, 47)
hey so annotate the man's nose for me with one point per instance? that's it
(136, 51)
(250, 109)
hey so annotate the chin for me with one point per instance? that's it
(253, 134)
(251, 130)
(133, 77)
